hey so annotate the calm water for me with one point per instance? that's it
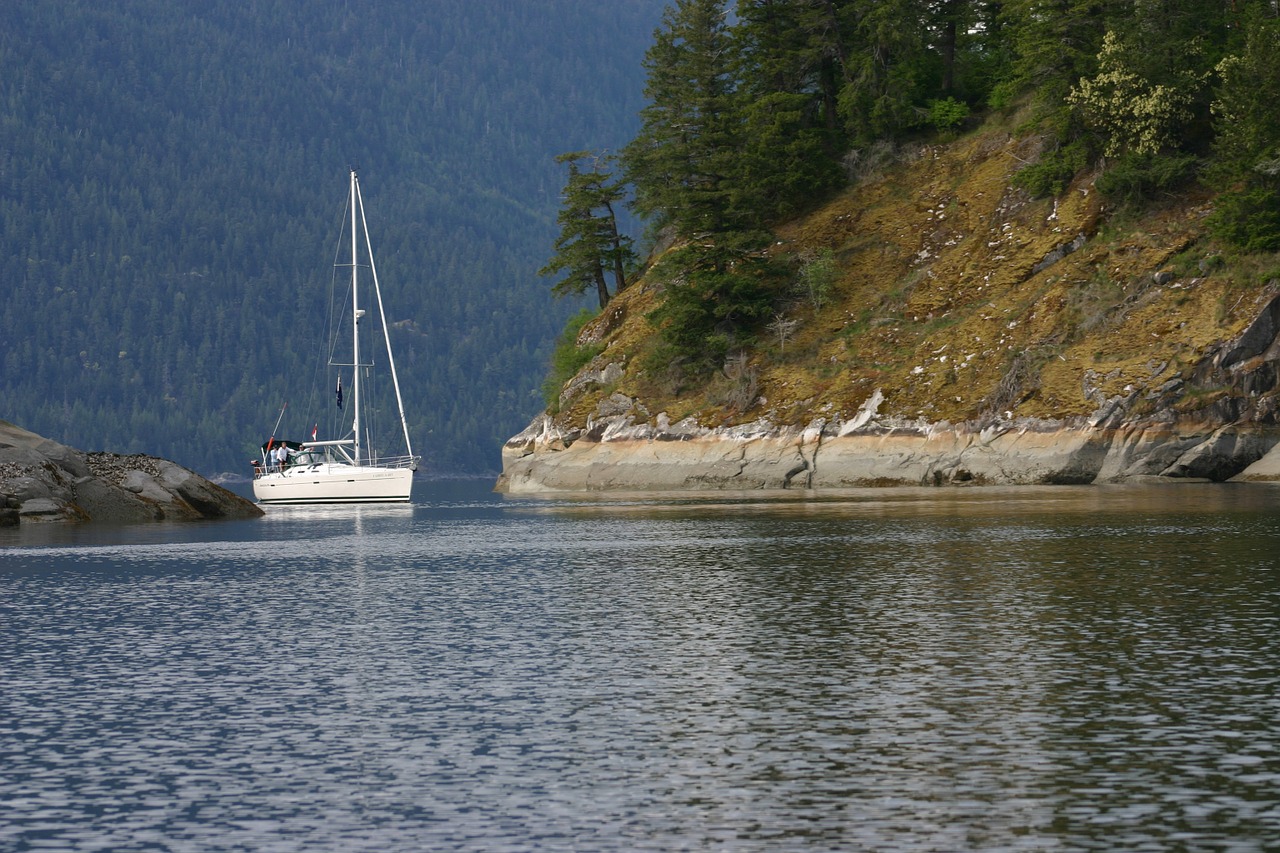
(1022, 669)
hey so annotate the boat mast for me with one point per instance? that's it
(355, 323)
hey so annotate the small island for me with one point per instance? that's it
(44, 481)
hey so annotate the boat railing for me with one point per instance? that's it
(410, 462)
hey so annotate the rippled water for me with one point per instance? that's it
(1021, 669)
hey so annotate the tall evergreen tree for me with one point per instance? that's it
(589, 244)
(687, 168)
(787, 71)
(683, 161)
(1055, 43)
(886, 73)
(1247, 144)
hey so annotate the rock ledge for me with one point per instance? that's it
(42, 480)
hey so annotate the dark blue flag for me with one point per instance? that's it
(339, 391)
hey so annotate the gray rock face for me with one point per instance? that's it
(41, 480)
(1151, 434)
(880, 453)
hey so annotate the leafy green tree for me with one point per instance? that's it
(589, 243)
(1133, 113)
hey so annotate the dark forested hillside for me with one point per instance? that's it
(171, 182)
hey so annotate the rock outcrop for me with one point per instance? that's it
(1148, 434)
(42, 480)
(823, 456)
(974, 336)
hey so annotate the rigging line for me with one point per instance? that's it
(377, 289)
(333, 321)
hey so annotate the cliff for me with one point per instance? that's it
(973, 335)
(41, 480)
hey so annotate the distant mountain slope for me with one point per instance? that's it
(171, 177)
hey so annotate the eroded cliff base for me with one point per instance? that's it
(627, 458)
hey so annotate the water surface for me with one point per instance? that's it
(984, 669)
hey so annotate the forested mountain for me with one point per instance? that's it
(172, 174)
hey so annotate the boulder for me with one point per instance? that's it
(42, 480)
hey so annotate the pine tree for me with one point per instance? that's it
(589, 244)
(886, 71)
(1248, 137)
(688, 171)
(682, 162)
(788, 72)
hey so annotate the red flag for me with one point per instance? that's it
(313, 431)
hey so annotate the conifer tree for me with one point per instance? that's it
(687, 167)
(1247, 144)
(589, 244)
(789, 71)
(682, 162)
(885, 74)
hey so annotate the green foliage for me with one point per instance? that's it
(1051, 47)
(714, 297)
(1249, 218)
(1245, 103)
(818, 273)
(1053, 172)
(1136, 114)
(1135, 178)
(947, 114)
(1247, 147)
(568, 357)
(589, 243)
(777, 130)
(683, 160)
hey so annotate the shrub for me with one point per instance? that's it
(1055, 170)
(947, 114)
(568, 358)
(1135, 178)
(1248, 218)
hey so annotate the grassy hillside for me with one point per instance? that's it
(960, 298)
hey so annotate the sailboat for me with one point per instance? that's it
(346, 469)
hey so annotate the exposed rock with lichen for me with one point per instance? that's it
(42, 480)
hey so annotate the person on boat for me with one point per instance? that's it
(282, 456)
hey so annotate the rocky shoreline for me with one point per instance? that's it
(1217, 420)
(615, 453)
(1147, 434)
(44, 481)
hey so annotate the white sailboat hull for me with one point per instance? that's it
(343, 470)
(330, 483)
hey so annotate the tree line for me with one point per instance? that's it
(758, 109)
(172, 175)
